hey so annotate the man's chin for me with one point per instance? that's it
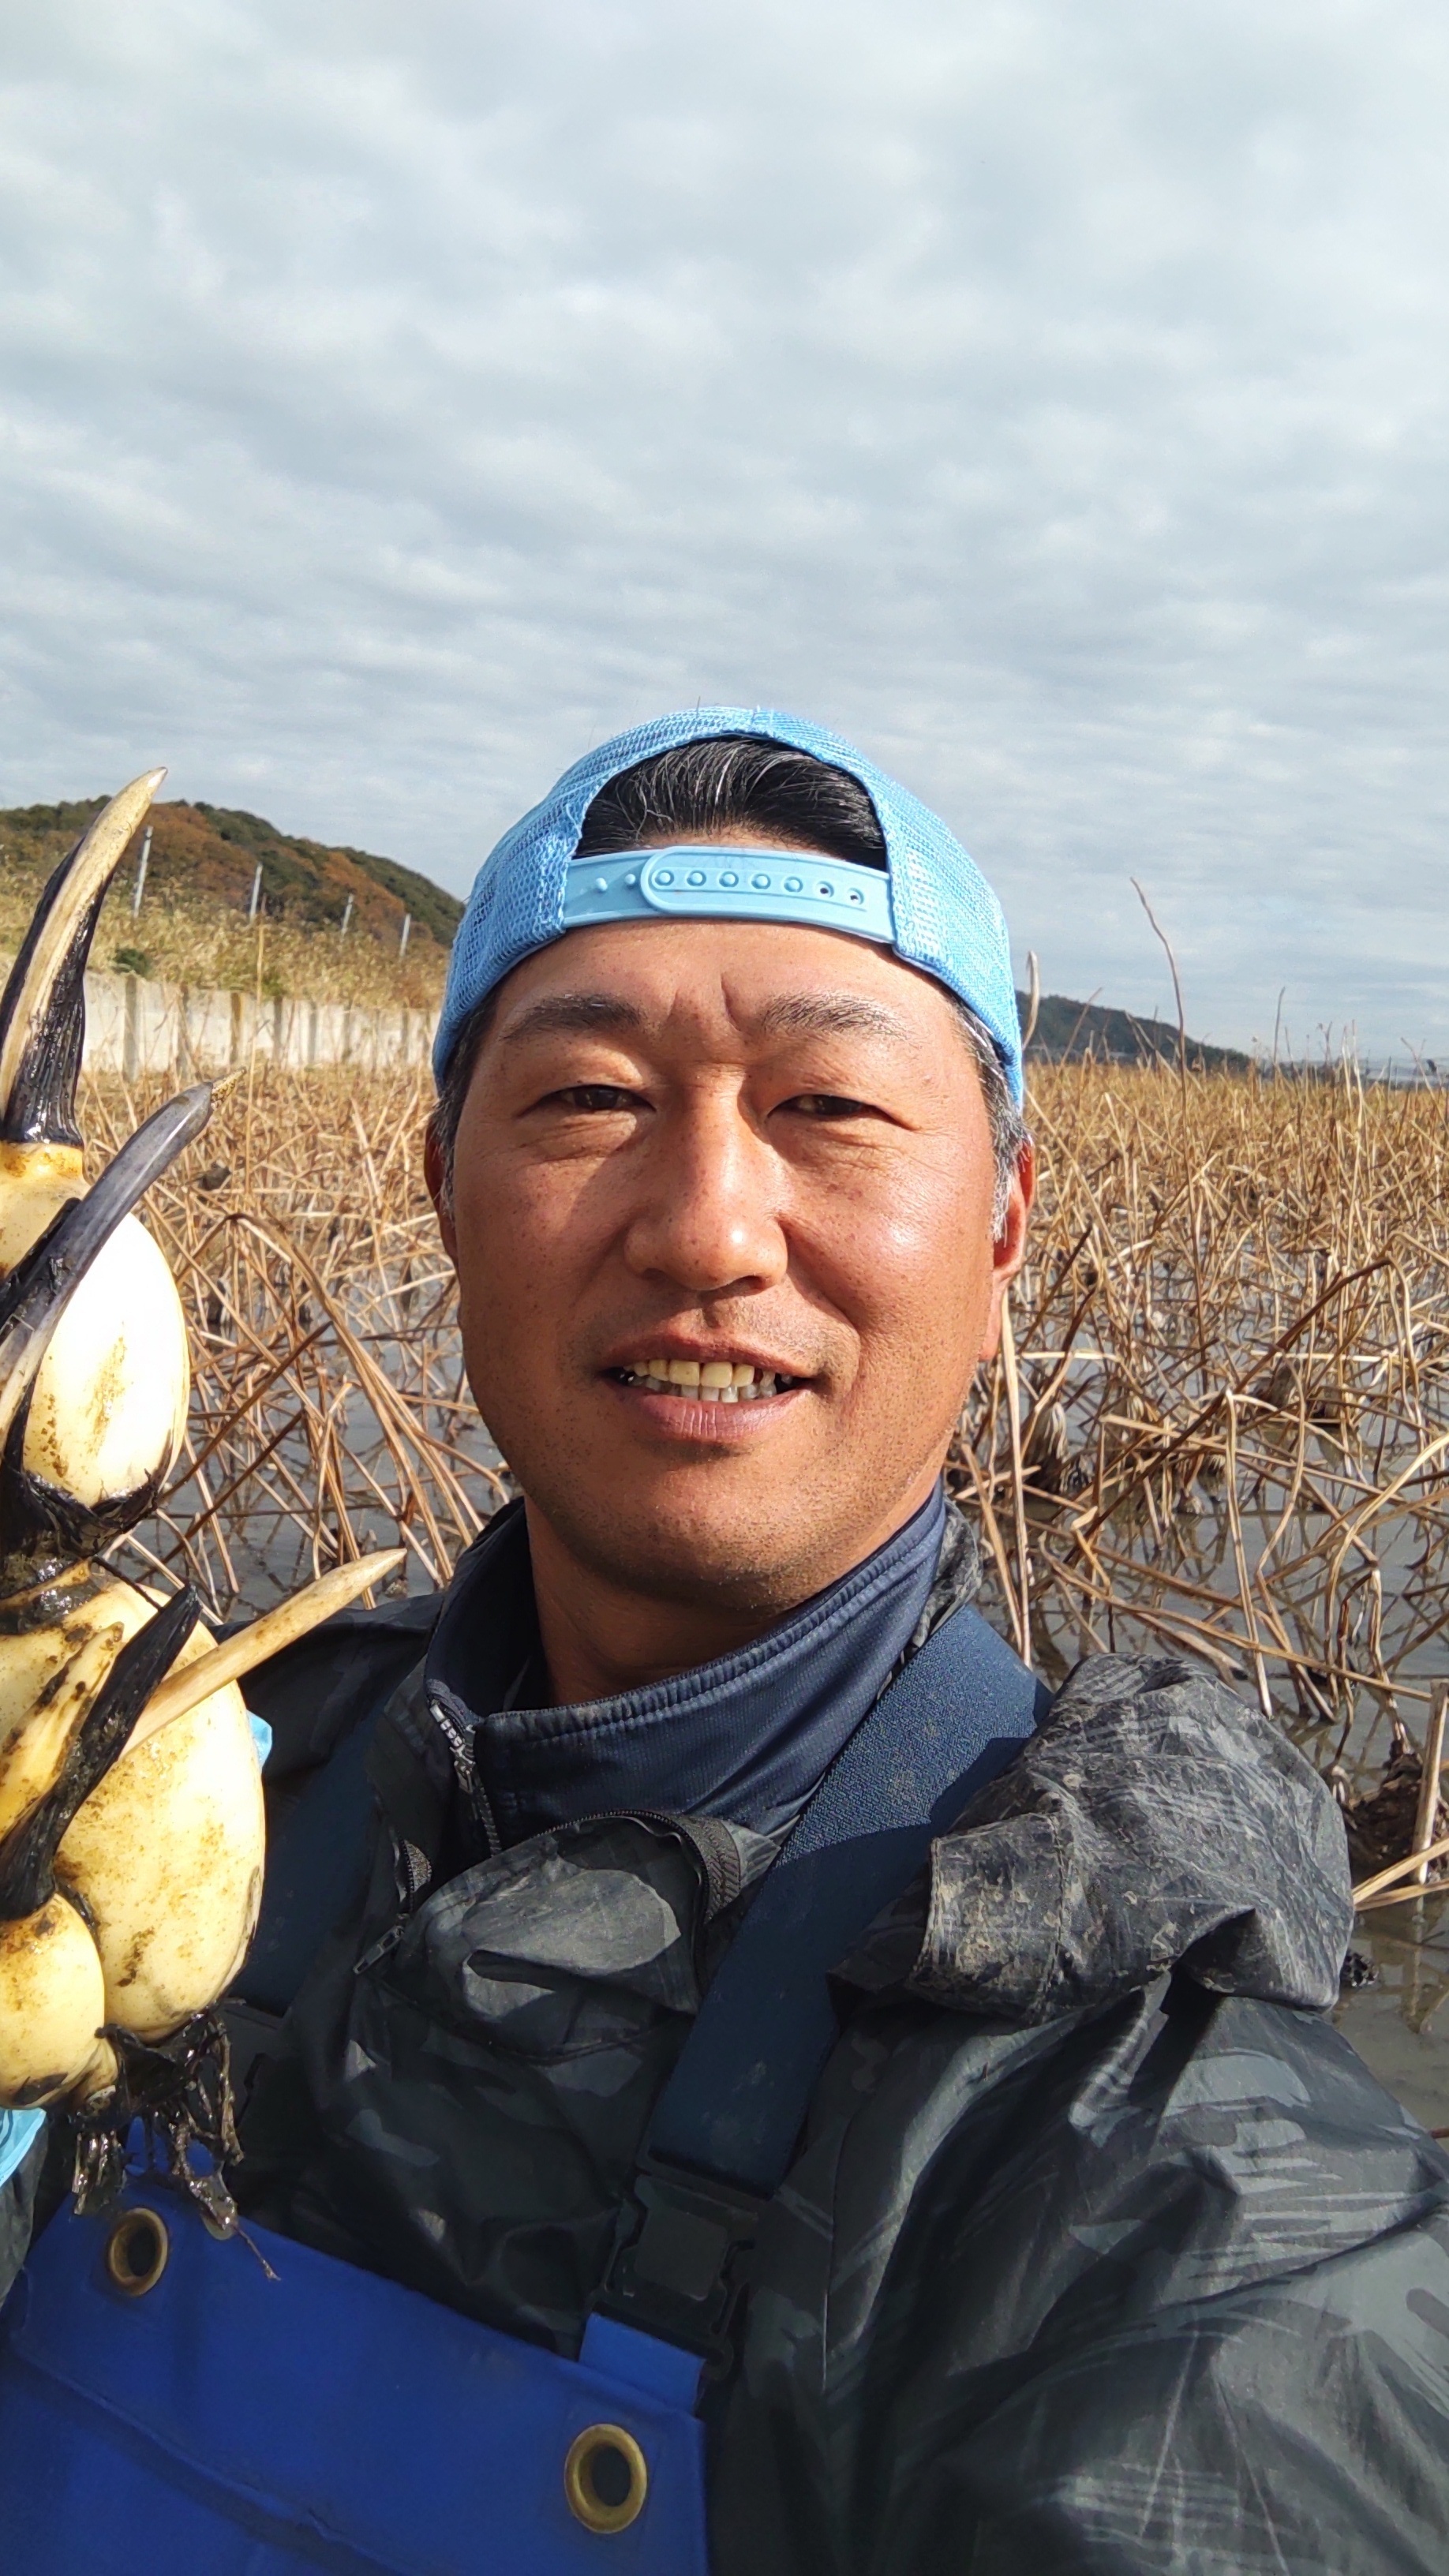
(700, 1551)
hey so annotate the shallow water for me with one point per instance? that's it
(1400, 2024)
(1388, 1649)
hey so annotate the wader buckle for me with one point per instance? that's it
(681, 2258)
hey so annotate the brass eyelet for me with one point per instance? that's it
(606, 2478)
(137, 2251)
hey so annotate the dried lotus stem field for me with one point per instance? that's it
(1231, 1348)
(328, 1412)
(1231, 1355)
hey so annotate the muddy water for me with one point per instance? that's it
(1400, 2024)
(1398, 2016)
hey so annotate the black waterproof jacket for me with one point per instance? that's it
(1102, 2250)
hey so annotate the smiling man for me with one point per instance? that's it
(709, 1195)
(735, 2077)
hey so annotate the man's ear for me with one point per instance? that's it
(435, 1173)
(1009, 1250)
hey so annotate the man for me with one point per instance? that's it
(1058, 2229)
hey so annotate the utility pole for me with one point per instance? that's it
(142, 864)
(256, 893)
(402, 946)
(347, 917)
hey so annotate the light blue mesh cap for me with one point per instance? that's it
(931, 904)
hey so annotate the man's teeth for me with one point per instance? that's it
(717, 1381)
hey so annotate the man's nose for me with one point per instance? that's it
(709, 1215)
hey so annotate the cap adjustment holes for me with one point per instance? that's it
(725, 884)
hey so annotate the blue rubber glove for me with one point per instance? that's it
(18, 2133)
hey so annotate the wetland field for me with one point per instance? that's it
(1220, 1426)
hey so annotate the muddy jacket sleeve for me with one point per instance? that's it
(1160, 2287)
(1152, 1822)
(1117, 2272)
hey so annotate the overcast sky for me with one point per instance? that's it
(1050, 394)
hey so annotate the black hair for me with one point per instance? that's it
(703, 791)
(735, 782)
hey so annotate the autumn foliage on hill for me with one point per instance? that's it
(193, 925)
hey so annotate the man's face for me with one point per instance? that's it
(708, 1144)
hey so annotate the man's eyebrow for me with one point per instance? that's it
(574, 1014)
(790, 1015)
(829, 1015)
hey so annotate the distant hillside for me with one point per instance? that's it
(1066, 1031)
(193, 925)
(214, 850)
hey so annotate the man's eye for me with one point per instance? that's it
(828, 1104)
(595, 1096)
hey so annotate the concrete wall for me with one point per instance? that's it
(136, 1026)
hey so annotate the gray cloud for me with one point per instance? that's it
(1052, 398)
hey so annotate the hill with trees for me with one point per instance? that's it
(330, 917)
(1068, 1031)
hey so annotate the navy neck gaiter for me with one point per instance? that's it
(746, 1737)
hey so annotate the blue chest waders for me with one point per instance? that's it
(166, 2409)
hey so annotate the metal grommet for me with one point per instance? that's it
(137, 2251)
(606, 2478)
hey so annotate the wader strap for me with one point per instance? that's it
(316, 1863)
(726, 2126)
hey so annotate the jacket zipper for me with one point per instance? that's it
(465, 1766)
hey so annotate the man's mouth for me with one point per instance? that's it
(721, 1381)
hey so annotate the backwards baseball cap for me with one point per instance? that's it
(930, 903)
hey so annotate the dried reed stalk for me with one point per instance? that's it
(329, 1415)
